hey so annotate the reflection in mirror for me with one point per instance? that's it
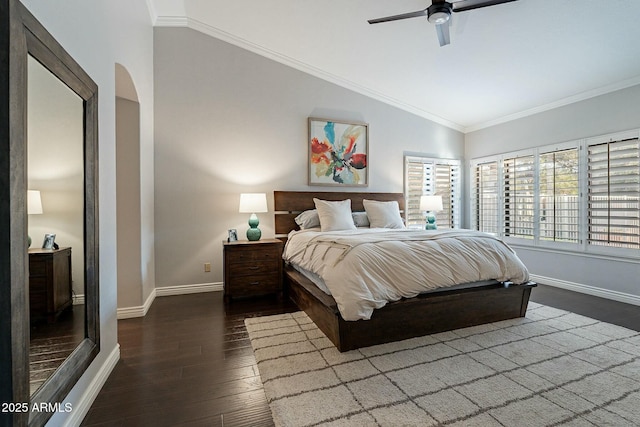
(55, 143)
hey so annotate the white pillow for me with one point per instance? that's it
(383, 214)
(360, 219)
(308, 219)
(334, 216)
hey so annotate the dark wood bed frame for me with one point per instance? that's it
(434, 311)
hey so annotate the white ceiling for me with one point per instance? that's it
(504, 61)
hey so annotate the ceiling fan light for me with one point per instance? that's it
(438, 18)
(439, 13)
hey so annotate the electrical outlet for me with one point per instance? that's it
(207, 267)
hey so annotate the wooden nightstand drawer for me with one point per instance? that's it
(245, 286)
(252, 268)
(259, 254)
(37, 268)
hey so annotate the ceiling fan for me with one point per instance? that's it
(439, 13)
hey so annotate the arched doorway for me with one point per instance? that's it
(128, 211)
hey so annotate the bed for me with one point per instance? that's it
(431, 311)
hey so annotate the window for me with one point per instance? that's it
(614, 193)
(559, 196)
(485, 200)
(579, 195)
(428, 176)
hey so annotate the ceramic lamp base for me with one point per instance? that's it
(254, 233)
(431, 222)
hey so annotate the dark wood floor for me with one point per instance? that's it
(52, 343)
(189, 361)
(607, 310)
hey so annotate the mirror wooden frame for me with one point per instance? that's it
(21, 35)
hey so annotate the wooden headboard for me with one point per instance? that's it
(288, 204)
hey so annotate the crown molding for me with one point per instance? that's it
(171, 21)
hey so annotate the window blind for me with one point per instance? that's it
(559, 196)
(447, 185)
(485, 200)
(518, 196)
(614, 193)
(428, 176)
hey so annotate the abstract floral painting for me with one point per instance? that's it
(338, 153)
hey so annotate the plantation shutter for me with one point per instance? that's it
(485, 200)
(447, 185)
(518, 196)
(614, 194)
(559, 196)
(425, 176)
(416, 184)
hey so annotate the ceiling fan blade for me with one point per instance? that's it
(442, 30)
(462, 5)
(397, 17)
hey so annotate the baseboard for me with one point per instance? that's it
(81, 409)
(587, 289)
(141, 311)
(164, 291)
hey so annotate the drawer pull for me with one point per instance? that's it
(255, 267)
(254, 283)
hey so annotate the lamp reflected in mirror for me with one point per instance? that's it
(34, 206)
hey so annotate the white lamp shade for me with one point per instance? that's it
(253, 202)
(431, 203)
(34, 202)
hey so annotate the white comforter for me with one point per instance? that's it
(366, 268)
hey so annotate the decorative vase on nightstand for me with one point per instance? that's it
(253, 233)
(431, 222)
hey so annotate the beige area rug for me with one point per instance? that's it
(551, 368)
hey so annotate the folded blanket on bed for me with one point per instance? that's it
(366, 268)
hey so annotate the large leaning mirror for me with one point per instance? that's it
(49, 325)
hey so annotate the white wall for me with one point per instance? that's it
(98, 35)
(230, 121)
(605, 276)
(130, 289)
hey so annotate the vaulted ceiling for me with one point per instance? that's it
(504, 61)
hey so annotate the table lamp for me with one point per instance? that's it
(252, 203)
(431, 204)
(34, 206)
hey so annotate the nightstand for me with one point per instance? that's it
(252, 268)
(49, 282)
